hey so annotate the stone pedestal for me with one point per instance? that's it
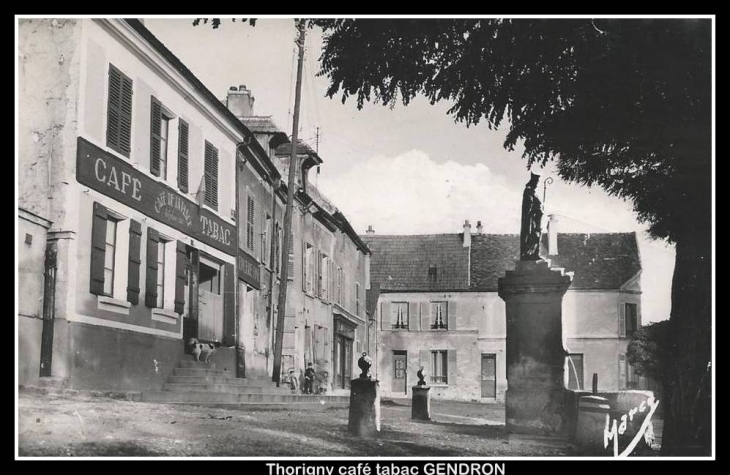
(536, 401)
(364, 418)
(592, 412)
(421, 403)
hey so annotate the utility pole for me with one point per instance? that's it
(287, 241)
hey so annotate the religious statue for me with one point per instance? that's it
(531, 222)
(421, 377)
(364, 363)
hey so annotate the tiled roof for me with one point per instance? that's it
(302, 149)
(599, 261)
(402, 262)
(260, 124)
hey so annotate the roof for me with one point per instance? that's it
(260, 124)
(402, 262)
(599, 261)
(302, 149)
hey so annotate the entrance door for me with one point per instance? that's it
(210, 300)
(400, 373)
(343, 361)
(489, 375)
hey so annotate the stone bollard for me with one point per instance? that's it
(364, 418)
(421, 403)
(592, 413)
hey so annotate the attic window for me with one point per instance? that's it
(432, 273)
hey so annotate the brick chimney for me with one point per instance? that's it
(370, 231)
(240, 101)
(480, 228)
(552, 235)
(467, 233)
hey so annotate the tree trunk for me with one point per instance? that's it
(688, 381)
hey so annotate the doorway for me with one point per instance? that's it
(400, 373)
(489, 375)
(210, 299)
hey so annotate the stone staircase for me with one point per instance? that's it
(211, 385)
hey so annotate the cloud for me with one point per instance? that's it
(412, 194)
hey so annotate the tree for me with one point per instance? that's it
(648, 350)
(624, 104)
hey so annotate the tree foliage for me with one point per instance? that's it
(648, 350)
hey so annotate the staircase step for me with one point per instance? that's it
(216, 380)
(205, 398)
(202, 373)
(191, 363)
(223, 388)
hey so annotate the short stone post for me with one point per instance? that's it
(592, 413)
(421, 403)
(364, 416)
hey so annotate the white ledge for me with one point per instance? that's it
(165, 316)
(112, 305)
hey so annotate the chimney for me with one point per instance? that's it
(479, 227)
(240, 101)
(552, 235)
(370, 230)
(467, 233)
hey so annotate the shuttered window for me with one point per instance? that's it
(135, 241)
(119, 112)
(290, 259)
(182, 155)
(161, 274)
(357, 299)
(439, 367)
(250, 222)
(211, 176)
(399, 315)
(439, 316)
(110, 245)
(277, 250)
(152, 268)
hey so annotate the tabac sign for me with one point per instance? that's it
(107, 174)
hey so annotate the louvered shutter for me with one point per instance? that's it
(135, 259)
(113, 109)
(125, 117)
(98, 249)
(180, 258)
(621, 319)
(385, 316)
(451, 355)
(304, 266)
(451, 311)
(155, 136)
(413, 317)
(426, 316)
(211, 175)
(182, 155)
(153, 238)
(229, 306)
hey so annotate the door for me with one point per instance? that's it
(210, 300)
(400, 373)
(489, 375)
(49, 296)
(343, 361)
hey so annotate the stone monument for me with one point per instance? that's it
(536, 401)
(421, 402)
(364, 416)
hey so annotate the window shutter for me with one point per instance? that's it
(385, 316)
(451, 315)
(229, 306)
(621, 319)
(125, 117)
(182, 155)
(451, 378)
(180, 277)
(155, 138)
(290, 259)
(331, 280)
(304, 266)
(413, 317)
(211, 175)
(119, 112)
(135, 259)
(318, 274)
(98, 249)
(425, 316)
(153, 238)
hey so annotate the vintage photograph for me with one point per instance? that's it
(365, 237)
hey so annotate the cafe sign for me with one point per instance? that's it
(249, 270)
(117, 179)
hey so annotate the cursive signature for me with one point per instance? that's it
(612, 431)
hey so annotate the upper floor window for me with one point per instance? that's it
(439, 317)
(322, 277)
(628, 319)
(250, 223)
(211, 176)
(357, 299)
(265, 240)
(308, 265)
(399, 315)
(159, 138)
(182, 155)
(119, 112)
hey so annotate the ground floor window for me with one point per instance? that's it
(439, 367)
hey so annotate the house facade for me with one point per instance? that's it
(439, 308)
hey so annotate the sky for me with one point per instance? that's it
(406, 169)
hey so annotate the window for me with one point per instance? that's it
(331, 280)
(357, 299)
(109, 256)
(322, 276)
(277, 251)
(308, 265)
(439, 367)
(399, 315)
(439, 318)
(119, 112)
(340, 281)
(575, 371)
(250, 221)
(290, 259)
(265, 241)
(211, 176)
(182, 156)
(210, 276)
(631, 319)
(159, 138)
(161, 274)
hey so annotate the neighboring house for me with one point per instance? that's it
(325, 320)
(439, 308)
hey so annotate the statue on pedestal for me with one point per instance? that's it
(421, 377)
(531, 222)
(364, 363)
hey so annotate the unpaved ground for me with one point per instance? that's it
(56, 425)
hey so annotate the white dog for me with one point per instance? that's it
(202, 350)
